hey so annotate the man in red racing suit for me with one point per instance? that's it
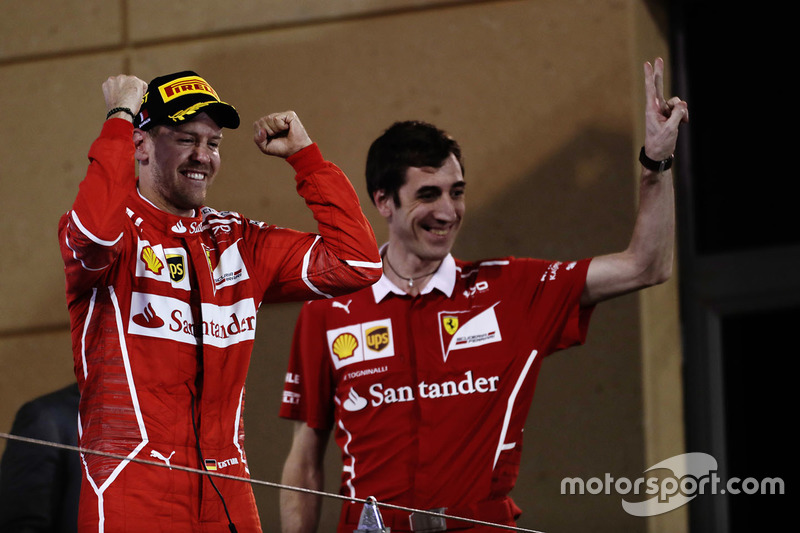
(163, 305)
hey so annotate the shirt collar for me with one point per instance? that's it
(173, 224)
(444, 280)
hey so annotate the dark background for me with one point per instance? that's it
(740, 297)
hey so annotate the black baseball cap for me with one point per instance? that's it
(175, 98)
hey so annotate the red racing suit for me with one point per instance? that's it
(163, 316)
(428, 395)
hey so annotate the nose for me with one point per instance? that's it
(447, 209)
(201, 154)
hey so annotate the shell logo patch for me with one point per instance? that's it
(344, 346)
(359, 343)
(151, 260)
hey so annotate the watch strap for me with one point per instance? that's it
(652, 164)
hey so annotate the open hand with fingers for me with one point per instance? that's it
(662, 116)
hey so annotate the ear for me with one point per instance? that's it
(383, 202)
(140, 144)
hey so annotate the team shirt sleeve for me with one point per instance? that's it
(308, 388)
(341, 258)
(553, 290)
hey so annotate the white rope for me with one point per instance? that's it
(281, 486)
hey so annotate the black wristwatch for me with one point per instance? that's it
(652, 164)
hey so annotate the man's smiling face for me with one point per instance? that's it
(428, 217)
(179, 163)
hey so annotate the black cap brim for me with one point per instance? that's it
(223, 114)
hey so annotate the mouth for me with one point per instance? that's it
(438, 231)
(194, 175)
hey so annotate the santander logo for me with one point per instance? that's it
(171, 318)
(148, 318)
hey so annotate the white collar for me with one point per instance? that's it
(444, 279)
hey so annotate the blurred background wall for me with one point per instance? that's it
(546, 98)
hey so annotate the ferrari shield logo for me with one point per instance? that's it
(450, 324)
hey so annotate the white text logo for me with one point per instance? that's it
(379, 394)
(693, 474)
(163, 317)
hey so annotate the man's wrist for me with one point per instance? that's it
(654, 165)
(306, 160)
(120, 111)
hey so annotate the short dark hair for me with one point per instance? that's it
(410, 143)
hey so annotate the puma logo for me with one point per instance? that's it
(340, 305)
(158, 455)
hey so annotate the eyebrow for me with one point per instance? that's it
(195, 134)
(428, 189)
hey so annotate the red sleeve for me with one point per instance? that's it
(577, 325)
(560, 289)
(555, 290)
(90, 233)
(308, 388)
(342, 258)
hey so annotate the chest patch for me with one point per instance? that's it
(360, 342)
(167, 265)
(228, 267)
(460, 330)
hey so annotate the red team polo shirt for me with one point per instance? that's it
(428, 395)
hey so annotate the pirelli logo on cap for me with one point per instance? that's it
(358, 343)
(184, 86)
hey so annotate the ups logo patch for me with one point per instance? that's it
(377, 338)
(177, 268)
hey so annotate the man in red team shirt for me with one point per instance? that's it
(163, 292)
(427, 376)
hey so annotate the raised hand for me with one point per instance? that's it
(662, 116)
(280, 134)
(124, 91)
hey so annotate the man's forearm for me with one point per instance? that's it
(300, 512)
(304, 468)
